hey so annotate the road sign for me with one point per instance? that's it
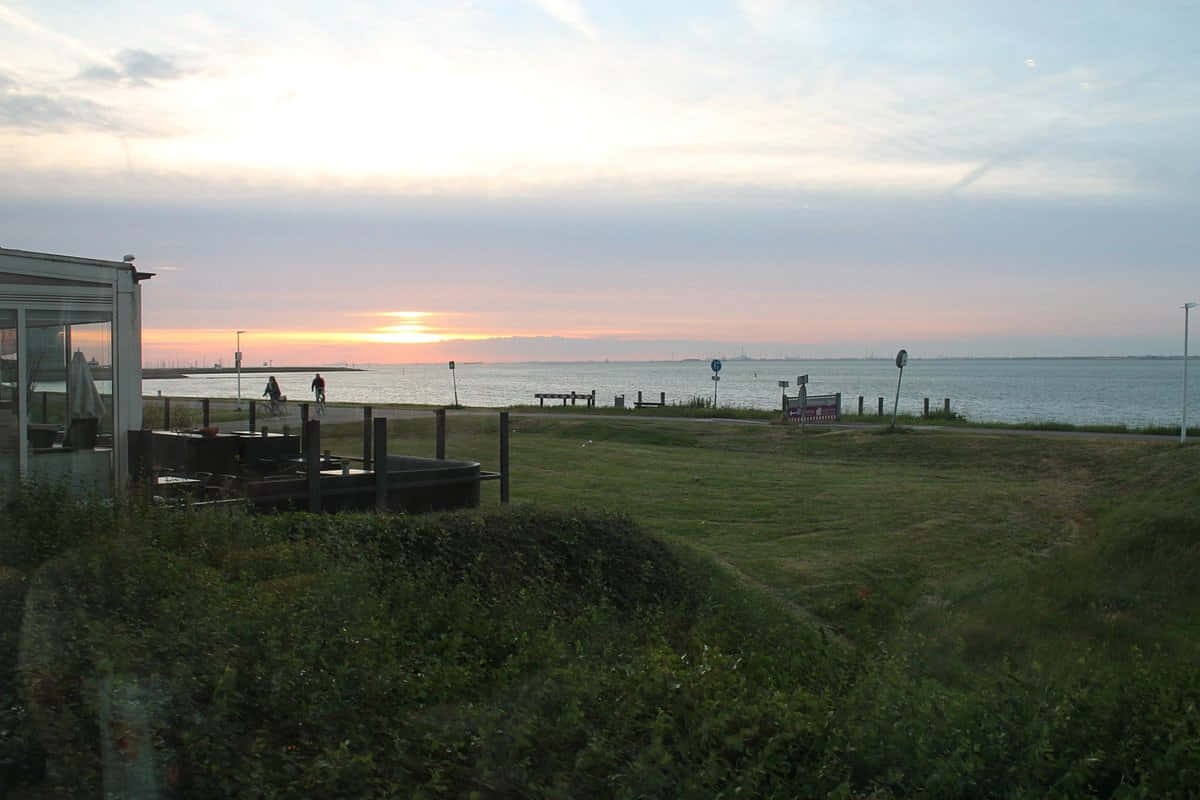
(784, 384)
(901, 360)
(801, 380)
(451, 365)
(716, 365)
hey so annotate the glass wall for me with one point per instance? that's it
(69, 396)
(10, 428)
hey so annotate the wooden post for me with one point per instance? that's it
(312, 464)
(205, 415)
(662, 398)
(304, 427)
(565, 400)
(253, 414)
(381, 464)
(839, 406)
(440, 445)
(860, 405)
(592, 402)
(141, 465)
(542, 402)
(366, 462)
(266, 432)
(166, 413)
(572, 399)
(45, 410)
(926, 412)
(504, 457)
(639, 400)
(881, 406)
(946, 407)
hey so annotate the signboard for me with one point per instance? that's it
(451, 365)
(716, 365)
(815, 408)
(902, 359)
(801, 380)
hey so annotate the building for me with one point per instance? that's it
(70, 368)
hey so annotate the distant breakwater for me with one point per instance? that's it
(165, 373)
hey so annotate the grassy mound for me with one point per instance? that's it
(294, 655)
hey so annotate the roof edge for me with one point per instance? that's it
(64, 258)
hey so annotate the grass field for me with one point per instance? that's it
(936, 418)
(862, 530)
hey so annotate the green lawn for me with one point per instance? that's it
(861, 529)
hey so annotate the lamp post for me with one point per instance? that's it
(1187, 307)
(237, 364)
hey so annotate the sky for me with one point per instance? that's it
(506, 180)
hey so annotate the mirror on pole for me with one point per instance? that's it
(901, 361)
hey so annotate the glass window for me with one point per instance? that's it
(69, 394)
(9, 409)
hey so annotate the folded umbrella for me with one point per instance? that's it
(86, 402)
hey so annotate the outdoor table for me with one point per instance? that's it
(194, 452)
(178, 484)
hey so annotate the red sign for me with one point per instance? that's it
(816, 408)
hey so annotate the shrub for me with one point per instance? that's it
(538, 654)
(183, 417)
(695, 401)
(42, 520)
(254, 649)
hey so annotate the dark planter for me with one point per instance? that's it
(82, 434)
(41, 435)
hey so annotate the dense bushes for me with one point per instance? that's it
(527, 654)
(365, 655)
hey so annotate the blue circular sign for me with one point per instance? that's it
(716, 365)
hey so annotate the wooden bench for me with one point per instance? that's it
(640, 403)
(590, 397)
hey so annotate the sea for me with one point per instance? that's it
(1099, 391)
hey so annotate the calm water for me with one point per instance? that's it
(1133, 391)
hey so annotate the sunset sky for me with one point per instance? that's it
(399, 181)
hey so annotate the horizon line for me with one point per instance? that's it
(731, 359)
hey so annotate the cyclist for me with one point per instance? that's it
(318, 389)
(273, 391)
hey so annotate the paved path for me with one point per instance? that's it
(353, 413)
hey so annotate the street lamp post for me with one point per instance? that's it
(1187, 307)
(237, 364)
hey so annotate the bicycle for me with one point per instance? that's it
(277, 408)
(320, 398)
